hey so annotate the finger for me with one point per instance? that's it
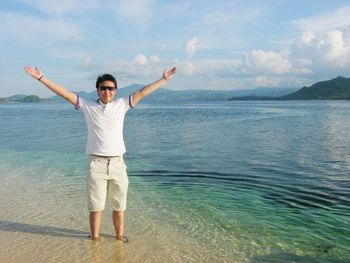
(39, 71)
(27, 69)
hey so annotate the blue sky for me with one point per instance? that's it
(219, 45)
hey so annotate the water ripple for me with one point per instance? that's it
(301, 196)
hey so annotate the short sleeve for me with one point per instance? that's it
(81, 102)
(77, 105)
(130, 102)
(126, 103)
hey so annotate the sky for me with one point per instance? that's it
(217, 45)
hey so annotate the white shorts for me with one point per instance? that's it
(107, 176)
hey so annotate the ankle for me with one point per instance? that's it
(95, 238)
(124, 239)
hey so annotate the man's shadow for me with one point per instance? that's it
(42, 230)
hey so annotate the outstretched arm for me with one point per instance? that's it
(150, 88)
(59, 90)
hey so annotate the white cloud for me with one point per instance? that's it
(191, 46)
(154, 58)
(264, 81)
(335, 46)
(141, 59)
(304, 61)
(317, 55)
(278, 81)
(267, 62)
(307, 37)
(326, 51)
(29, 29)
(84, 60)
(188, 69)
(208, 69)
(325, 22)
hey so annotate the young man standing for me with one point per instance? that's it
(105, 144)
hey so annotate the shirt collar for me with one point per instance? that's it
(100, 102)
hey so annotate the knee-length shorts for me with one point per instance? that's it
(107, 178)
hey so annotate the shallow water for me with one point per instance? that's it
(209, 182)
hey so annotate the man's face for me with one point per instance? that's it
(106, 91)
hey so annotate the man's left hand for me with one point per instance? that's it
(167, 75)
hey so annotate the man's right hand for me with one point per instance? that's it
(35, 73)
(59, 90)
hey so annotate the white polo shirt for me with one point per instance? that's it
(105, 124)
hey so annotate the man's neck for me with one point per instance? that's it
(104, 103)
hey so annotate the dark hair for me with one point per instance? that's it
(104, 77)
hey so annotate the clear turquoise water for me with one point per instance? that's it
(257, 181)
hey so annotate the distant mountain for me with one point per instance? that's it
(189, 95)
(253, 97)
(121, 92)
(338, 88)
(31, 98)
(17, 97)
(217, 95)
(264, 92)
(22, 98)
(80, 93)
(334, 89)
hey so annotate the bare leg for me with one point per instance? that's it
(95, 222)
(118, 222)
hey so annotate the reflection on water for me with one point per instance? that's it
(337, 130)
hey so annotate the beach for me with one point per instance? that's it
(44, 219)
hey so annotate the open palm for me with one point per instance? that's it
(35, 73)
(169, 74)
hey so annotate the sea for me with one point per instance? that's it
(240, 181)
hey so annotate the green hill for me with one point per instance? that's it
(334, 89)
(17, 97)
(31, 98)
(22, 98)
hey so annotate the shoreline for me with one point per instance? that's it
(46, 216)
(50, 225)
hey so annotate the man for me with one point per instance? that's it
(105, 144)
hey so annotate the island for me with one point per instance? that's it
(334, 89)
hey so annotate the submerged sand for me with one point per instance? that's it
(44, 219)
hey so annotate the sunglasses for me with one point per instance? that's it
(103, 88)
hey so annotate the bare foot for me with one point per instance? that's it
(96, 239)
(124, 239)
